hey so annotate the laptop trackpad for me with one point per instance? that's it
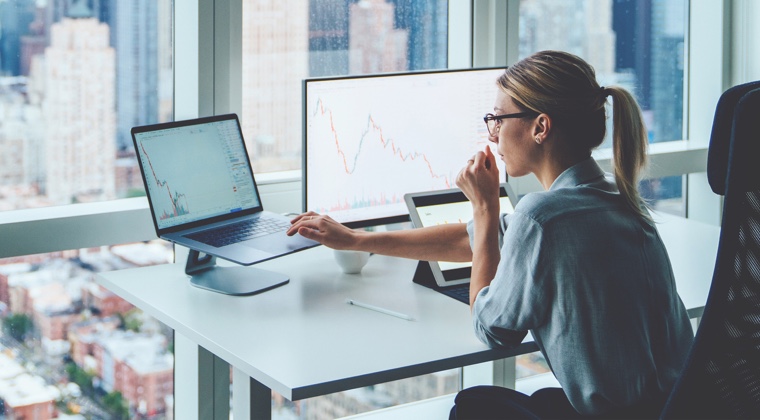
(278, 243)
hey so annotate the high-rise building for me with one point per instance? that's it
(12, 136)
(552, 25)
(427, 24)
(668, 28)
(136, 31)
(633, 28)
(600, 44)
(165, 60)
(78, 110)
(15, 17)
(374, 44)
(328, 37)
(34, 42)
(275, 60)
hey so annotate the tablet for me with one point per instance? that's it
(450, 206)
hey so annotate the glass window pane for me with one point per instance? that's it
(70, 346)
(635, 44)
(75, 77)
(287, 41)
(665, 194)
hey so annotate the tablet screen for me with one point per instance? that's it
(444, 207)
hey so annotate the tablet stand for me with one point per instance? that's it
(238, 281)
(424, 275)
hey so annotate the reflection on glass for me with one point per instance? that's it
(69, 346)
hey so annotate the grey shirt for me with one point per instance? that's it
(594, 285)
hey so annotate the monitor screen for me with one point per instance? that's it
(368, 140)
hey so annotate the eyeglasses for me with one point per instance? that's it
(493, 121)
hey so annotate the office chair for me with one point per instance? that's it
(721, 376)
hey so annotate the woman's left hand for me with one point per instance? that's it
(479, 181)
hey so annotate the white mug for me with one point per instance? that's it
(351, 262)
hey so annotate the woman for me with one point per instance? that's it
(580, 265)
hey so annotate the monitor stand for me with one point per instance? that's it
(238, 281)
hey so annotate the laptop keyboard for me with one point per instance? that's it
(240, 231)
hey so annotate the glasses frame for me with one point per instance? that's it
(497, 119)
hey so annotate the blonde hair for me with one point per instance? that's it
(564, 87)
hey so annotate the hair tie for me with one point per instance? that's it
(603, 92)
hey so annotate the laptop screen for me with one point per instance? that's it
(195, 170)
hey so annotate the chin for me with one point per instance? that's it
(513, 173)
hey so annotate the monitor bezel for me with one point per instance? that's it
(378, 221)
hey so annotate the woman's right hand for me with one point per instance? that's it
(323, 229)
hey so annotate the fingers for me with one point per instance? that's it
(307, 220)
(309, 215)
(478, 160)
(490, 158)
(309, 233)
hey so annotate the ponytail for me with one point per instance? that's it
(629, 147)
(565, 87)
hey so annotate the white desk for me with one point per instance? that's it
(302, 340)
(692, 248)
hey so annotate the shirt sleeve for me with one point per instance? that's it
(519, 296)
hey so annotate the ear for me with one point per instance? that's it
(542, 127)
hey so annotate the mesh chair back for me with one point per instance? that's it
(721, 378)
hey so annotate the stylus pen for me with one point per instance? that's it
(379, 309)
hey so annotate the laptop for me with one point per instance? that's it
(441, 207)
(203, 194)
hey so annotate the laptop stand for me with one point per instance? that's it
(238, 281)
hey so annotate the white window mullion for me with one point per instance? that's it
(708, 64)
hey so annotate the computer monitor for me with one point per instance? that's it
(368, 140)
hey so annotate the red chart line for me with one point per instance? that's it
(373, 127)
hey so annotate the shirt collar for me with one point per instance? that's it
(583, 172)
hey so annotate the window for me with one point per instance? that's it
(635, 44)
(71, 346)
(285, 42)
(75, 76)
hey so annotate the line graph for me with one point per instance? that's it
(368, 141)
(373, 127)
(178, 201)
